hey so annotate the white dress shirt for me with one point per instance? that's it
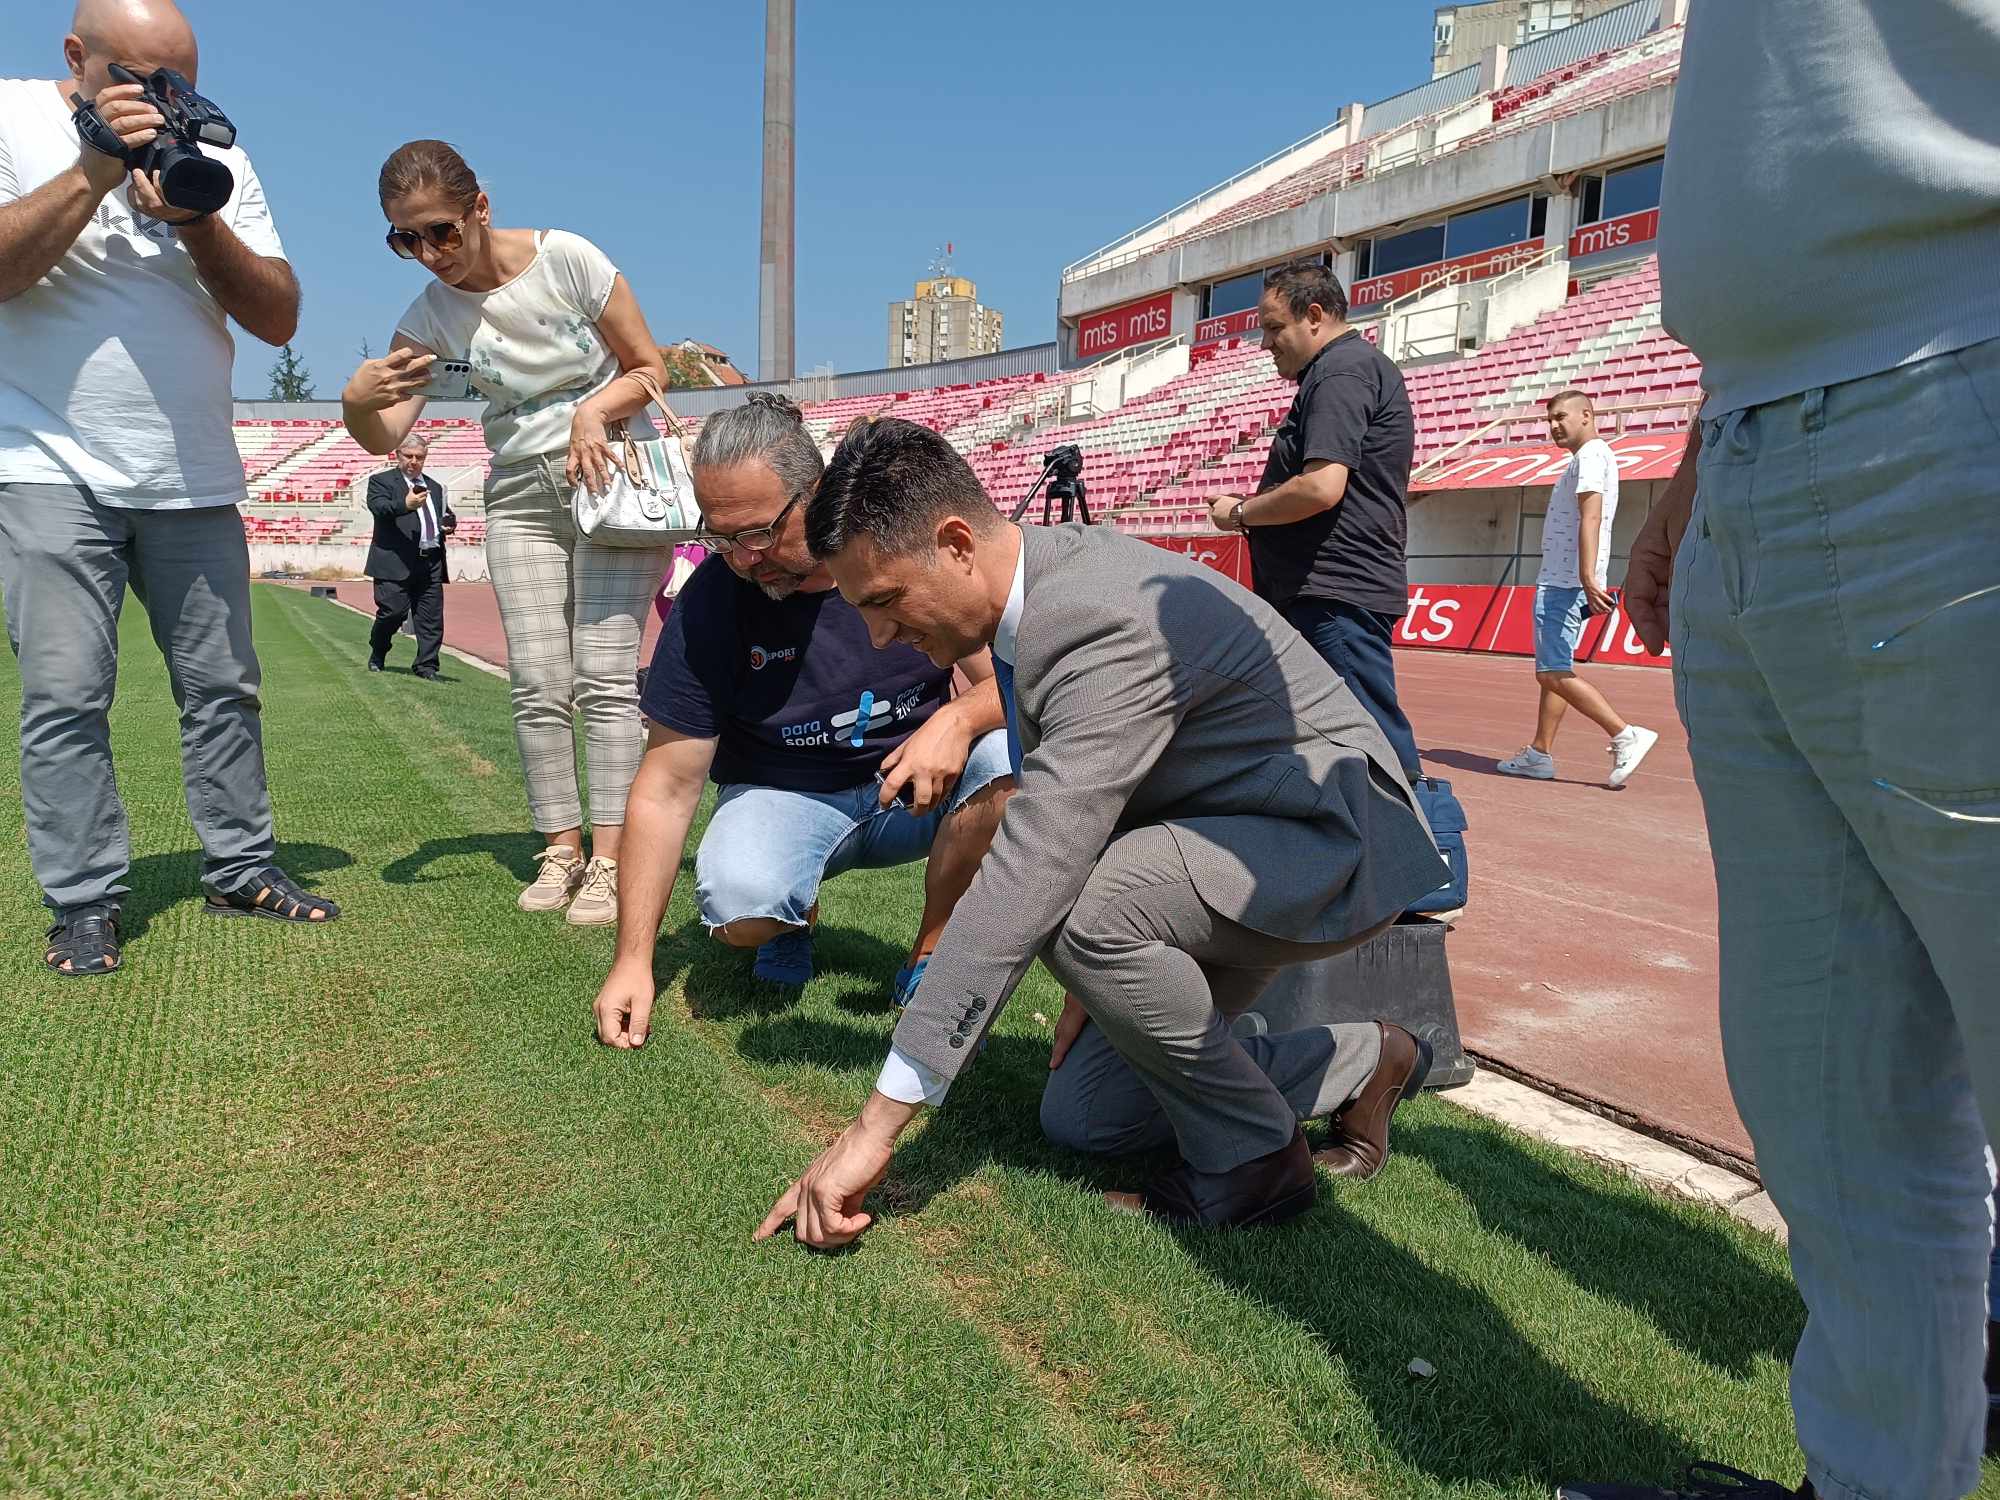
(903, 1078)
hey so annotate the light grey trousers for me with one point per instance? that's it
(1843, 712)
(65, 563)
(573, 613)
(1162, 974)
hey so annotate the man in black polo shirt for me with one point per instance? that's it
(766, 681)
(1327, 527)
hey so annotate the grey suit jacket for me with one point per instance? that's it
(1152, 690)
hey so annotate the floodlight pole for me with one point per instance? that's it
(776, 320)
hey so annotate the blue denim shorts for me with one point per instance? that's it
(1559, 616)
(767, 849)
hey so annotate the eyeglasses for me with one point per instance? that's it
(756, 539)
(1905, 793)
(444, 236)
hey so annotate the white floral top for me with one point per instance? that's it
(532, 343)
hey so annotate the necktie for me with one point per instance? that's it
(427, 528)
(1003, 674)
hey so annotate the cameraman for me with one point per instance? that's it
(117, 467)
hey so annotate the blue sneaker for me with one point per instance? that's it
(904, 988)
(786, 959)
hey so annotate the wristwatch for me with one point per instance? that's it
(1236, 516)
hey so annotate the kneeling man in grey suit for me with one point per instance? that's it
(1199, 801)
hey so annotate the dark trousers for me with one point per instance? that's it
(1355, 643)
(420, 596)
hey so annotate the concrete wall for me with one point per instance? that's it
(464, 562)
(1526, 160)
(1483, 523)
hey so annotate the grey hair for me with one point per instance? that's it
(415, 440)
(766, 429)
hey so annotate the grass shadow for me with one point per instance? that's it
(717, 984)
(159, 881)
(1697, 1288)
(513, 852)
(1498, 1411)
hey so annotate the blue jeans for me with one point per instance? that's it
(1355, 643)
(1559, 616)
(767, 850)
(1840, 709)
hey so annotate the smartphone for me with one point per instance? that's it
(450, 380)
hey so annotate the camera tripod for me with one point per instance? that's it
(1066, 488)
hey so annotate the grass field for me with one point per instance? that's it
(364, 1211)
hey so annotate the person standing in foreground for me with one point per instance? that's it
(1198, 802)
(1576, 558)
(406, 559)
(118, 468)
(1327, 526)
(554, 336)
(1832, 544)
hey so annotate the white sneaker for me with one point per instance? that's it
(596, 903)
(1530, 763)
(562, 873)
(1627, 750)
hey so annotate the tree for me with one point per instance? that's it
(290, 379)
(686, 369)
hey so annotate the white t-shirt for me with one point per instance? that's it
(1591, 468)
(115, 366)
(533, 343)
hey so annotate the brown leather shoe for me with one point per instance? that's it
(1361, 1126)
(1266, 1191)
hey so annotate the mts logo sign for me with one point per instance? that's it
(1615, 234)
(1121, 327)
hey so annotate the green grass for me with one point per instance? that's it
(364, 1211)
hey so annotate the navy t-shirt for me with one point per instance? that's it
(777, 683)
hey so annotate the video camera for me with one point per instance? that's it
(188, 179)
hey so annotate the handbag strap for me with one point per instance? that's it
(656, 397)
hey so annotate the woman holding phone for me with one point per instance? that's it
(551, 330)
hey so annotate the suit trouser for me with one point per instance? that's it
(1161, 974)
(573, 613)
(65, 563)
(1839, 691)
(420, 596)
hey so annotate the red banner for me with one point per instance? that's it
(1228, 555)
(1615, 234)
(1208, 330)
(1483, 617)
(1455, 617)
(1518, 465)
(1120, 327)
(1471, 268)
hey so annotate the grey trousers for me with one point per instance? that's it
(1162, 974)
(65, 563)
(1834, 628)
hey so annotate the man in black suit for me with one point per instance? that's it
(406, 559)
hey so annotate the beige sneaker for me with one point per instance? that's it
(562, 873)
(596, 903)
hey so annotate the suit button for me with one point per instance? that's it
(956, 1041)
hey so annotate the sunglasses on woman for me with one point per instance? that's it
(444, 236)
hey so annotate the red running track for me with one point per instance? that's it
(1587, 957)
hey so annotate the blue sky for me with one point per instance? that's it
(1027, 134)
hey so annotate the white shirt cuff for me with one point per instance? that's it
(908, 1081)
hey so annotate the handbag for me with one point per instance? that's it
(649, 499)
